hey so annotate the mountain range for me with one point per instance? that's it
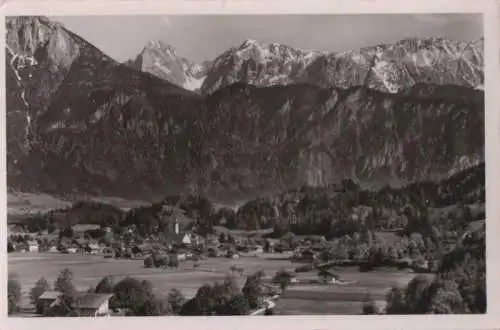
(256, 119)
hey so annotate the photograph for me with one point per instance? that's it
(245, 164)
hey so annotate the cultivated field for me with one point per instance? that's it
(89, 270)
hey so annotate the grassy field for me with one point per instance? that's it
(342, 299)
(89, 270)
(299, 299)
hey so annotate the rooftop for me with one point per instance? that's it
(50, 295)
(92, 300)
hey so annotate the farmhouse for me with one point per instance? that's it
(327, 276)
(48, 300)
(52, 248)
(32, 246)
(94, 247)
(72, 249)
(108, 252)
(93, 304)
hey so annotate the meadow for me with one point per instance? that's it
(88, 270)
(304, 299)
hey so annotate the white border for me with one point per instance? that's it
(491, 32)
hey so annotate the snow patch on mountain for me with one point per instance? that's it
(193, 84)
(160, 59)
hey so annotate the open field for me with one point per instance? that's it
(342, 299)
(298, 299)
(89, 270)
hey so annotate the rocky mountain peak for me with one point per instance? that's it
(160, 46)
(162, 60)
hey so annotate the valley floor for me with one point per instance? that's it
(299, 299)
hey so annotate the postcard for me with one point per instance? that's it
(250, 164)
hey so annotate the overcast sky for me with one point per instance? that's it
(200, 38)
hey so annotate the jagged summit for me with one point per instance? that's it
(161, 46)
(162, 60)
(385, 67)
(248, 43)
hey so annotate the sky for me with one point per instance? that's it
(203, 37)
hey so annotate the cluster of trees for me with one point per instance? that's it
(226, 299)
(458, 287)
(218, 299)
(88, 212)
(63, 284)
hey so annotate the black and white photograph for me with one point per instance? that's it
(245, 164)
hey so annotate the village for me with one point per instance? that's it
(309, 261)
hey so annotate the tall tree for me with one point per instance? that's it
(40, 287)
(252, 290)
(64, 284)
(13, 294)
(283, 279)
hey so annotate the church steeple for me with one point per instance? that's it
(176, 225)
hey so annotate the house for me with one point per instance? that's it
(108, 252)
(92, 304)
(32, 246)
(327, 276)
(179, 256)
(72, 249)
(102, 247)
(80, 242)
(196, 239)
(48, 300)
(214, 252)
(52, 249)
(304, 255)
(94, 247)
(178, 239)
